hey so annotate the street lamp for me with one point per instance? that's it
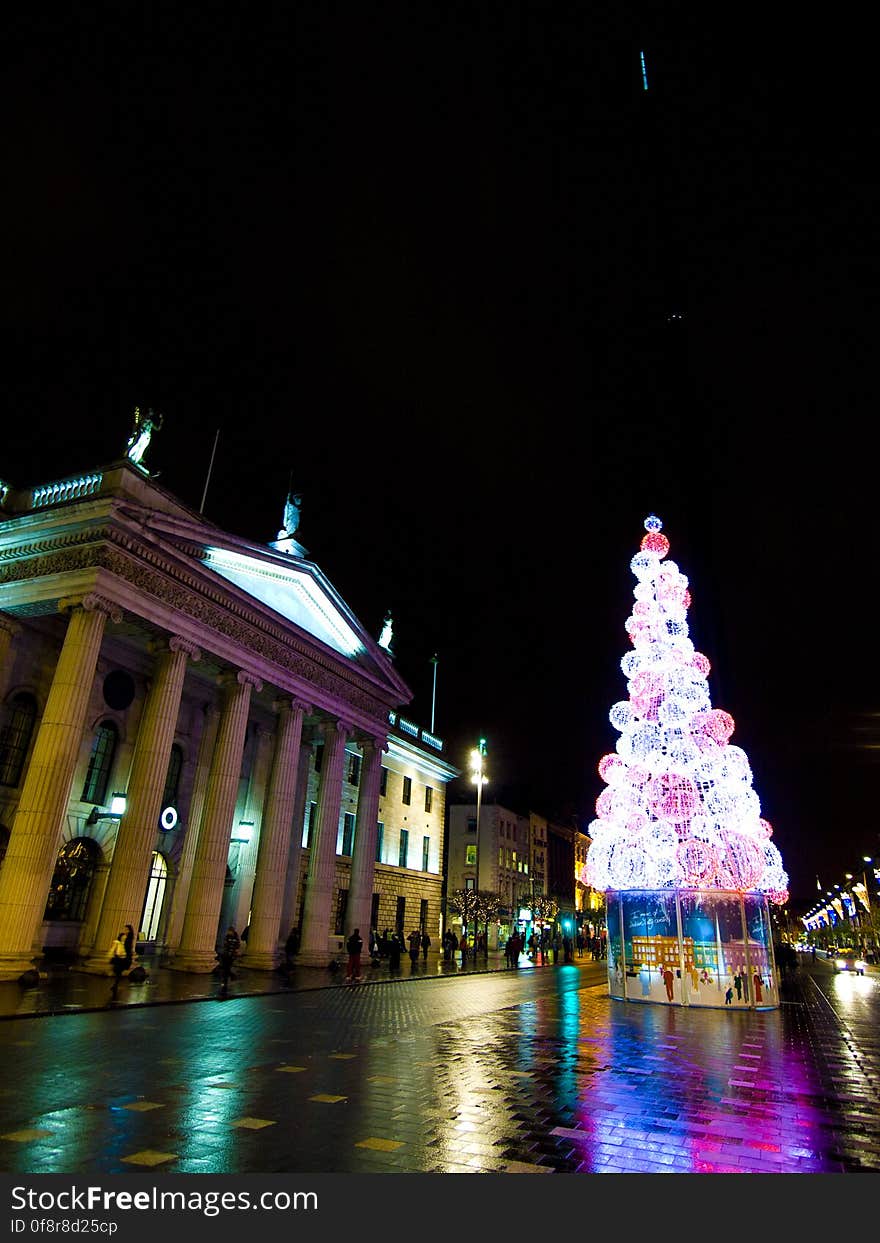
(478, 776)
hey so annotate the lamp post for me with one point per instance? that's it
(478, 755)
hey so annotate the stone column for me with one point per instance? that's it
(290, 908)
(262, 946)
(199, 938)
(36, 830)
(8, 631)
(363, 861)
(314, 947)
(244, 865)
(132, 854)
(207, 742)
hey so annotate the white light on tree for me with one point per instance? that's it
(678, 808)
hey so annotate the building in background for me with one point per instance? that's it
(178, 708)
(522, 858)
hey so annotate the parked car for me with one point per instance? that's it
(850, 962)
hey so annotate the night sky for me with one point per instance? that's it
(487, 303)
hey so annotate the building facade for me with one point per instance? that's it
(195, 730)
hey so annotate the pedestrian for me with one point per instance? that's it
(567, 953)
(395, 945)
(580, 944)
(128, 942)
(117, 963)
(728, 996)
(426, 945)
(533, 947)
(228, 953)
(813, 954)
(291, 945)
(668, 979)
(453, 944)
(415, 940)
(446, 942)
(354, 945)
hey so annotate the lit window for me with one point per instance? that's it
(404, 848)
(172, 777)
(429, 798)
(100, 763)
(155, 897)
(15, 737)
(347, 833)
(72, 880)
(407, 790)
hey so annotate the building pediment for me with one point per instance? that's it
(270, 599)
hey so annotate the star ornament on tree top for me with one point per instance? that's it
(678, 809)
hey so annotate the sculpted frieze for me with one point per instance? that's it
(187, 595)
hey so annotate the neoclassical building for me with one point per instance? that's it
(195, 730)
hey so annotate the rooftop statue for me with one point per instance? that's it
(292, 508)
(385, 636)
(139, 440)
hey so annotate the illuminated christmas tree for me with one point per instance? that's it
(678, 810)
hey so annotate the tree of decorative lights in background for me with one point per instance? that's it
(678, 810)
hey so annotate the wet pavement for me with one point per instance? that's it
(531, 1072)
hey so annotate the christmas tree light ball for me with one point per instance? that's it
(719, 725)
(605, 804)
(653, 523)
(611, 768)
(697, 860)
(638, 774)
(662, 837)
(743, 859)
(644, 740)
(655, 542)
(701, 662)
(628, 866)
(630, 664)
(621, 716)
(644, 565)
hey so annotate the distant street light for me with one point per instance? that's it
(478, 776)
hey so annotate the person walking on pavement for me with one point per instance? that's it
(128, 942)
(395, 945)
(354, 945)
(117, 963)
(228, 953)
(415, 941)
(426, 945)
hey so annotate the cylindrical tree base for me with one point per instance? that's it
(691, 947)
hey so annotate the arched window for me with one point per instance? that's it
(15, 736)
(155, 897)
(172, 777)
(72, 880)
(100, 763)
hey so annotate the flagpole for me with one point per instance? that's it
(210, 468)
(434, 693)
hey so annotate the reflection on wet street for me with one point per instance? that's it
(537, 1072)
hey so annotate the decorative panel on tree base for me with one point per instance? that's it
(690, 947)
